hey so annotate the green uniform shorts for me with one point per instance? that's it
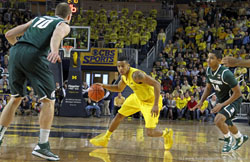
(26, 62)
(231, 110)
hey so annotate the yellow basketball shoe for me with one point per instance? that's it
(168, 138)
(100, 140)
(101, 154)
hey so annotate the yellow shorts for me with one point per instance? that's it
(133, 105)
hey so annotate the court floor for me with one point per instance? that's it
(193, 142)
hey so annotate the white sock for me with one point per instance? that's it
(238, 135)
(2, 131)
(227, 135)
(44, 135)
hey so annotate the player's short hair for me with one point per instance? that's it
(62, 10)
(123, 58)
(217, 54)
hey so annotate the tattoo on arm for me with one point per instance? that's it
(138, 76)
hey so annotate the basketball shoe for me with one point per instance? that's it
(168, 138)
(100, 140)
(43, 151)
(227, 144)
(239, 142)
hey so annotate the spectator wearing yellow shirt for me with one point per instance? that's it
(119, 45)
(222, 34)
(199, 36)
(135, 39)
(161, 38)
(202, 46)
(203, 111)
(189, 46)
(229, 39)
(191, 35)
(213, 29)
(113, 39)
(244, 86)
(181, 106)
(153, 73)
(227, 51)
(118, 101)
(235, 50)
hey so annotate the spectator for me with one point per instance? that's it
(119, 100)
(190, 111)
(91, 105)
(181, 106)
(203, 111)
(171, 105)
(4, 78)
(161, 38)
(185, 87)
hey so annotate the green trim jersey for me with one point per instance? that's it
(222, 81)
(40, 32)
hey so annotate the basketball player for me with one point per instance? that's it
(29, 60)
(229, 100)
(146, 98)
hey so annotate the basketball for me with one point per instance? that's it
(96, 93)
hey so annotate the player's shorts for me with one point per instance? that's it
(231, 110)
(133, 105)
(29, 63)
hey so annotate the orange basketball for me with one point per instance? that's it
(96, 93)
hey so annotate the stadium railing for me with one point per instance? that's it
(132, 55)
(244, 111)
(169, 31)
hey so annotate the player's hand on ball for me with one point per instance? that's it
(155, 111)
(216, 108)
(100, 84)
(53, 57)
(229, 61)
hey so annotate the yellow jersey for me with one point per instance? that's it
(143, 92)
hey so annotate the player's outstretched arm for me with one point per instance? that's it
(140, 77)
(18, 31)
(59, 33)
(233, 62)
(114, 88)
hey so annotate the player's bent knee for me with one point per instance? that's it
(219, 120)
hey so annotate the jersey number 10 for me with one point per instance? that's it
(42, 23)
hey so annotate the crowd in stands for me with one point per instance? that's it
(181, 64)
(116, 29)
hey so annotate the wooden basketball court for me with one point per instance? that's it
(193, 142)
